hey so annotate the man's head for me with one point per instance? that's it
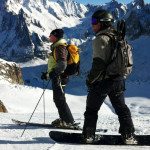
(55, 35)
(101, 19)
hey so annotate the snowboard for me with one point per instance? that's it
(76, 138)
(50, 126)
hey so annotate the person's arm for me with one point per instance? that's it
(101, 50)
(98, 66)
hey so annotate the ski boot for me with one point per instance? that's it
(59, 123)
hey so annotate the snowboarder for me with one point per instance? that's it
(101, 85)
(57, 63)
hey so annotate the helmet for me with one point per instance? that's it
(103, 16)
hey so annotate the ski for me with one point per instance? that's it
(41, 125)
(76, 138)
(50, 126)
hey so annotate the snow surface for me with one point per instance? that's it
(20, 100)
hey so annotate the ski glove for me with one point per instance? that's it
(88, 84)
(53, 74)
(44, 76)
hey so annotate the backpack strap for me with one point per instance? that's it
(68, 56)
(113, 38)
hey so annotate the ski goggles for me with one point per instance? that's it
(94, 21)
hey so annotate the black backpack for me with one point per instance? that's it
(121, 60)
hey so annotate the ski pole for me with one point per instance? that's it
(44, 101)
(34, 109)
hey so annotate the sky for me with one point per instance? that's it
(99, 2)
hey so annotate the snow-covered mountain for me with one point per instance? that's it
(138, 19)
(25, 26)
(136, 14)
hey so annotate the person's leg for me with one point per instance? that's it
(64, 80)
(118, 102)
(60, 101)
(95, 98)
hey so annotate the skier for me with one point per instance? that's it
(57, 63)
(101, 85)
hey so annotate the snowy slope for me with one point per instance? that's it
(21, 101)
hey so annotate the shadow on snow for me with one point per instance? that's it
(37, 140)
(76, 85)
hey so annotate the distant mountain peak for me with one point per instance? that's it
(66, 1)
(139, 2)
(114, 1)
(26, 24)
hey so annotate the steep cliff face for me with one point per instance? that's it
(15, 43)
(138, 19)
(11, 72)
(26, 24)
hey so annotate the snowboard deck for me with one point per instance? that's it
(50, 126)
(76, 138)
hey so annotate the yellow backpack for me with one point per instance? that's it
(73, 56)
(73, 60)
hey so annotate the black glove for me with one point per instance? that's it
(44, 76)
(52, 74)
(88, 83)
(64, 79)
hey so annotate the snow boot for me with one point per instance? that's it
(88, 135)
(129, 139)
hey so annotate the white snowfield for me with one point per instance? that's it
(21, 101)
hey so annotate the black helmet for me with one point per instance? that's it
(103, 16)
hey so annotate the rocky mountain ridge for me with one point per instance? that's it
(25, 24)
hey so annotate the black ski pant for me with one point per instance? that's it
(96, 96)
(60, 100)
